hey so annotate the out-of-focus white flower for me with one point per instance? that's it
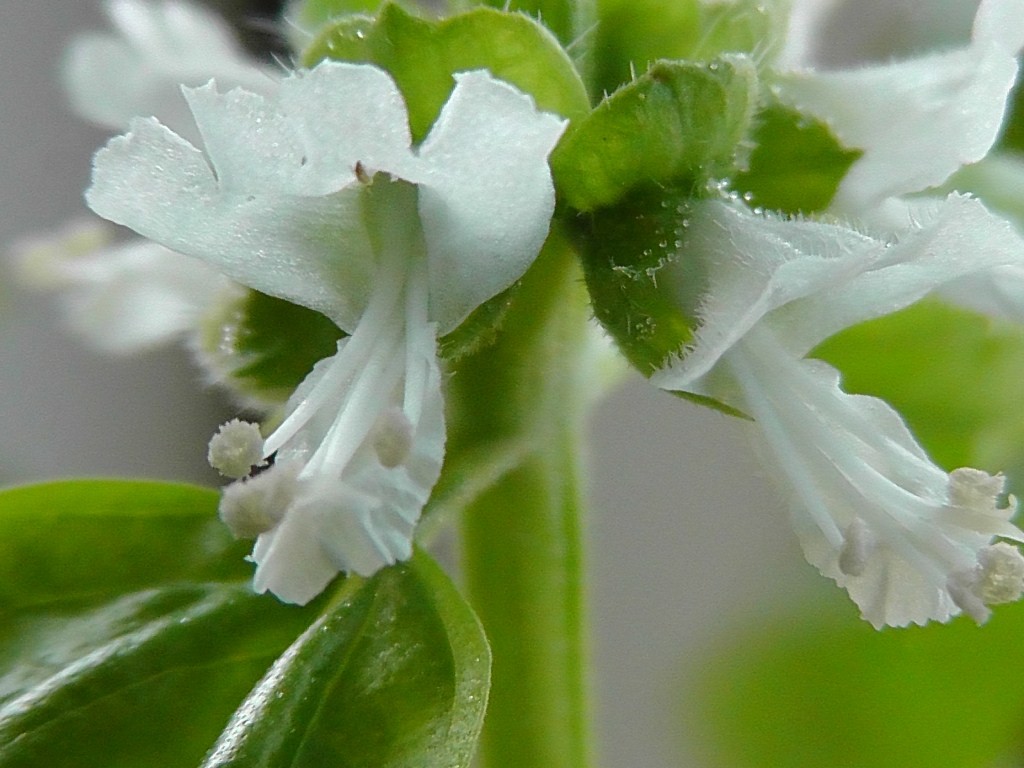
(317, 196)
(128, 296)
(121, 298)
(157, 47)
(908, 541)
(917, 120)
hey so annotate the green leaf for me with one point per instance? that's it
(128, 630)
(796, 164)
(263, 347)
(422, 55)
(825, 689)
(129, 634)
(633, 33)
(675, 127)
(395, 672)
(954, 375)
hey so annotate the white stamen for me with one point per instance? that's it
(255, 505)
(236, 448)
(392, 437)
(1001, 578)
(974, 489)
(878, 504)
(961, 588)
(858, 546)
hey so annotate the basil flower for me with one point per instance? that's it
(317, 196)
(910, 542)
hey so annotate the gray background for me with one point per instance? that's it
(687, 540)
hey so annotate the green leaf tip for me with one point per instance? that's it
(796, 163)
(126, 621)
(394, 672)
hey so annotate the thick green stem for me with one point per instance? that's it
(522, 550)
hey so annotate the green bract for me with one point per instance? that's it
(263, 347)
(796, 164)
(129, 634)
(422, 55)
(676, 127)
(633, 33)
(632, 166)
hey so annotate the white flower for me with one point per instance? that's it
(317, 196)
(158, 46)
(908, 541)
(917, 120)
(125, 297)
(122, 298)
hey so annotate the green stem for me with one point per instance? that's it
(522, 552)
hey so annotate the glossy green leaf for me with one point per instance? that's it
(631, 34)
(796, 164)
(955, 376)
(675, 127)
(395, 672)
(825, 689)
(263, 347)
(128, 629)
(422, 55)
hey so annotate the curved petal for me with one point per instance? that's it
(311, 251)
(360, 516)
(809, 280)
(486, 195)
(309, 139)
(917, 121)
(289, 560)
(960, 240)
(750, 265)
(870, 508)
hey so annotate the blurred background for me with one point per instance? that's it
(688, 542)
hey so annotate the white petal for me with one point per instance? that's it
(112, 78)
(308, 140)
(1000, 22)
(962, 240)
(917, 121)
(810, 280)
(311, 251)
(290, 561)
(486, 196)
(920, 119)
(747, 266)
